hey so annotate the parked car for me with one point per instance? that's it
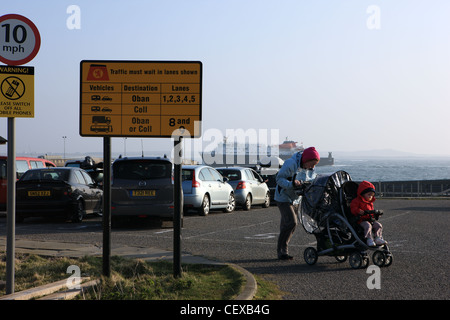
(57, 192)
(142, 187)
(205, 189)
(22, 165)
(249, 187)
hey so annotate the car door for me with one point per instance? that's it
(93, 191)
(257, 186)
(208, 184)
(220, 187)
(83, 190)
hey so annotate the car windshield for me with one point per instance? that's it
(187, 175)
(231, 174)
(46, 175)
(142, 170)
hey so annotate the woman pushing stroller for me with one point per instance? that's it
(362, 208)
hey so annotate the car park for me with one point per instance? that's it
(249, 187)
(205, 189)
(142, 187)
(57, 192)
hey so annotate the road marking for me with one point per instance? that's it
(262, 236)
(164, 231)
(225, 230)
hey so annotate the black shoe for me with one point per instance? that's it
(285, 257)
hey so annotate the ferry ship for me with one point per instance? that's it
(253, 155)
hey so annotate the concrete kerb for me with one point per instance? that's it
(77, 250)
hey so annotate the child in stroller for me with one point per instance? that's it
(362, 208)
(325, 212)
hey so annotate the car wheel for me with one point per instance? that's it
(248, 202)
(205, 207)
(78, 213)
(231, 204)
(266, 203)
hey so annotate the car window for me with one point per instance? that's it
(206, 175)
(142, 170)
(36, 164)
(257, 176)
(21, 167)
(87, 177)
(216, 175)
(187, 175)
(79, 177)
(232, 175)
(251, 175)
(45, 175)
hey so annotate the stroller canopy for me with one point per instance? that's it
(321, 199)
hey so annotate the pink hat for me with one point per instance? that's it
(310, 154)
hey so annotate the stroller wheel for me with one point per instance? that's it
(356, 260)
(310, 255)
(389, 259)
(379, 258)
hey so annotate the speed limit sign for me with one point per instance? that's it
(19, 40)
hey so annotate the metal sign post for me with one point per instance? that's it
(11, 206)
(106, 206)
(178, 207)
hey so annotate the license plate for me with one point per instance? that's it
(143, 193)
(45, 193)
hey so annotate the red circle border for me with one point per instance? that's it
(37, 36)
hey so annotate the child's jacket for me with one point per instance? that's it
(359, 203)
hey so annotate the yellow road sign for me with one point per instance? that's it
(140, 98)
(16, 92)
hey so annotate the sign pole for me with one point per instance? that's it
(11, 206)
(177, 196)
(106, 206)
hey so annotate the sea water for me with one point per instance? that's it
(393, 169)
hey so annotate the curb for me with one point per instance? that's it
(43, 290)
(249, 291)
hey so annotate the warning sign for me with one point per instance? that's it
(140, 99)
(16, 91)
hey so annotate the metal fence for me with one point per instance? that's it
(420, 188)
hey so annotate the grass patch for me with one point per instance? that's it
(131, 279)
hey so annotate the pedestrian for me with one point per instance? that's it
(285, 195)
(362, 208)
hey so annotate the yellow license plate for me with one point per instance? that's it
(45, 193)
(143, 193)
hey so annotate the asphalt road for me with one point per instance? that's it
(417, 231)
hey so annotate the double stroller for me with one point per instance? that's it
(324, 211)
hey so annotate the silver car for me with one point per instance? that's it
(142, 187)
(204, 189)
(249, 187)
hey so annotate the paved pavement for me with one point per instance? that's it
(77, 250)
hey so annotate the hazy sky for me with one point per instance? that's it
(340, 75)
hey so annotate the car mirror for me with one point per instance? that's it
(225, 179)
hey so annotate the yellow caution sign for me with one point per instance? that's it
(140, 98)
(16, 92)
